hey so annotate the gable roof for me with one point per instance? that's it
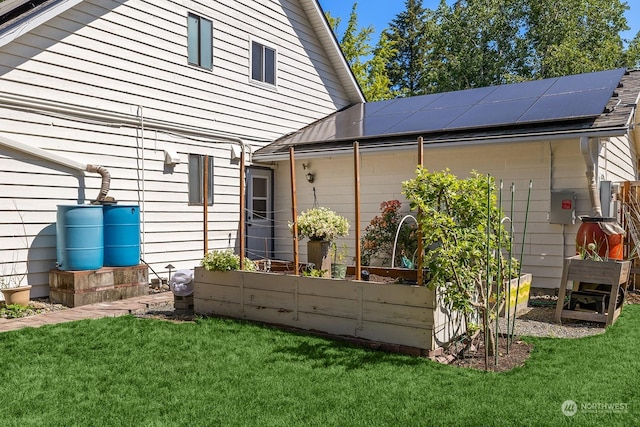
(597, 104)
(18, 17)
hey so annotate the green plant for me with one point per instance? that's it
(13, 311)
(380, 234)
(339, 254)
(225, 260)
(312, 272)
(321, 224)
(464, 236)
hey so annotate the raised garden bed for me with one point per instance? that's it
(410, 319)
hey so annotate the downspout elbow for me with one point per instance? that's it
(106, 181)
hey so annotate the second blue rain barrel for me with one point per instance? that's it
(121, 235)
(79, 237)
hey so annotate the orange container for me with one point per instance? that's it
(607, 246)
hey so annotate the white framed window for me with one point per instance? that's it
(196, 180)
(263, 63)
(200, 41)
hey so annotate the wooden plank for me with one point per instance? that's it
(329, 288)
(328, 306)
(401, 315)
(405, 295)
(395, 334)
(584, 315)
(213, 292)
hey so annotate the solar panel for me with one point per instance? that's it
(561, 98)
(591, 81)
(461, 98)
(532, 89)
(570, 105)
(428, 120)
(492, 114)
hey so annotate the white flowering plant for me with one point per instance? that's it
(321, 224)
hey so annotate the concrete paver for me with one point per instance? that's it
(91, 311)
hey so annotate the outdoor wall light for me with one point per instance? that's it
(310, 177)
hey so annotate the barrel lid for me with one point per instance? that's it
(598, 219)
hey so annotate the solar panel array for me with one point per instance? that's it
(561, 98)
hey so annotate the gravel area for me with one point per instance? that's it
(539, 322)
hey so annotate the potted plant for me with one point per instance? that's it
(338, 257)
(12, 289)
(321, 226)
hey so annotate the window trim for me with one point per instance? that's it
(199, 47)
(264, 45)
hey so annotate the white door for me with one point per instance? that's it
(259, 218)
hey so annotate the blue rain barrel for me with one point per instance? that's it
(121, 235)
(79, 237)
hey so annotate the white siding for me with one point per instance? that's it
(130, 59)
(551, 165)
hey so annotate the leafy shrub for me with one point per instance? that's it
(381, 232)
(225, 260)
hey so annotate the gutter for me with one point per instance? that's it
(382, 147)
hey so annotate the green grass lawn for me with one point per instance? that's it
(139, 372)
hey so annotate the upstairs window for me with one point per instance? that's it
(263, 63)
(196, 180)
(200, 41)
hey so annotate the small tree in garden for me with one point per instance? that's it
(462, 232)
(380, 234)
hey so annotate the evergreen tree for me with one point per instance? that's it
(411, 32)
(367, 63)
(478, 44)
(632, 53)
(575, 36)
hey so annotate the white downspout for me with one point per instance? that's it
(590, 149)
(143, 195)
(51, 157)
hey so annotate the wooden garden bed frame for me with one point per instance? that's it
(405, 318)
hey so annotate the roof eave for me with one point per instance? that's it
(27, 23)
(328, 39)
(409, 144)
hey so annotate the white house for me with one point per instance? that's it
(145, 90)
(565, 134)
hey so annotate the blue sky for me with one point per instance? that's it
(380, 12)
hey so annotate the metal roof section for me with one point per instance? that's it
(577, 103)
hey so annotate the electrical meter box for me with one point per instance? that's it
(563, 207)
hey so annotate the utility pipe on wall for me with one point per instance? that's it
(590, 149)
(54, 158)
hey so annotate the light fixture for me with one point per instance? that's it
(310, 177)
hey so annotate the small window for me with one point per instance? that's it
(200, 41)
(263, 63)
(196, 179)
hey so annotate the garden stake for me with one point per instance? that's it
(509, 331)
(524, 235)
(294, 214)
(499, 279)
(488, 283)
